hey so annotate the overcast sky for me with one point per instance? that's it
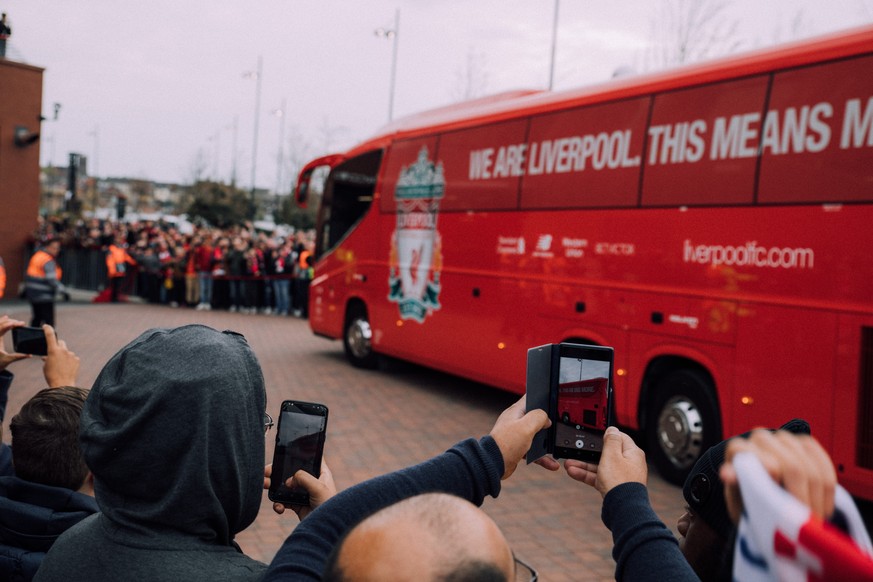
(147, 87)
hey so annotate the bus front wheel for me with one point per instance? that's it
(682, 423)
(357, 340)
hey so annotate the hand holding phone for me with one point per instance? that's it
(7, 323)
(300, 437)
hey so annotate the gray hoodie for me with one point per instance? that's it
(173, 430)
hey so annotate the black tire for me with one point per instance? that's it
(682, 423)
(357, 338)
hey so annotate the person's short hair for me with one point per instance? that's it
(45, 438)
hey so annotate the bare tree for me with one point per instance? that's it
(471, 80)
(684, 31)
(197, 168)
(299, 152)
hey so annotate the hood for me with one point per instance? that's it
(173, 430)
(32, 516)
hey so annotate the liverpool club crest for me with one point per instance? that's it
(416, 256)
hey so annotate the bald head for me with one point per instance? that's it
(432, 537)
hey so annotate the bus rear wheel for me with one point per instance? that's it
(357, 340)
(682, 423)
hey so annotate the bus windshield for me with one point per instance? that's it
(348, 194)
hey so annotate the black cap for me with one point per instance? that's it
(703, 489)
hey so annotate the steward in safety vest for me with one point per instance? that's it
(43, 274)
(42, 282)
(117, 259)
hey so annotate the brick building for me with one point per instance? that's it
(20, 106)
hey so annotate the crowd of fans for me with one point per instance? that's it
(202, 267)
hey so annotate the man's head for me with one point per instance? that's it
(173, 430)
(45, 438)
(432, 537)
(52, 247)
(705, 527)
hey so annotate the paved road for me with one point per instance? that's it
(379, 421)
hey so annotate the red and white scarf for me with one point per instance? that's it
(780, 539)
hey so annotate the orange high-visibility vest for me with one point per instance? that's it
(36, 267)
(117, 256)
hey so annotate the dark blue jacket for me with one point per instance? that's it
(32, 516)
(5, 451)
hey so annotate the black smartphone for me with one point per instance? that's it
(300, 439)
(29, 340)
(573, 384)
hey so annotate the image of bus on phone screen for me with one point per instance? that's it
(582, 402)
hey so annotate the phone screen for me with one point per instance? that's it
(299, 445)
(29, 340)
(583, 401)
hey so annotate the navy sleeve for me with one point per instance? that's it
(5, 382)
(5, 450)
(471, 470)
(644, 548)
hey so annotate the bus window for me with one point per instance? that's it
(703, 146)
(347, 196)
(818, 135)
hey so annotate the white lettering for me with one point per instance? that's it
(749, 254)
(820, 127)
(857, 129)
(480, 163)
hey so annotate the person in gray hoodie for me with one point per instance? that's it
(173, 431)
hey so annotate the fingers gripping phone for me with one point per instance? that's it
(29, 340)
(299, 445)
(572, 383)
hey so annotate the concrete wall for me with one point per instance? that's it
(20, 105)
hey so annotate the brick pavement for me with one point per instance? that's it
(379, 421)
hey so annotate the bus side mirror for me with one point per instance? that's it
(301, 194)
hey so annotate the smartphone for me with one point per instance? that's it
(29, 340)
(573, 384)
(300, 439)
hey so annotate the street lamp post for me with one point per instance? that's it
(256, 75)
(554, 45)
(280, 113)
(96, 135)
(391, 34)
(233, 127)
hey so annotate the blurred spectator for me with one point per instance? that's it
(117, 261)
(235, 260)
(283, 269)
(5, 32)
(42, 283)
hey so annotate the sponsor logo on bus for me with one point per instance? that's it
(510, 245)
(416, 255)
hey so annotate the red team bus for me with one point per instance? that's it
(712, 224)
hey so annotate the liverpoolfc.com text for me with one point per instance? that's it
(749, 254)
